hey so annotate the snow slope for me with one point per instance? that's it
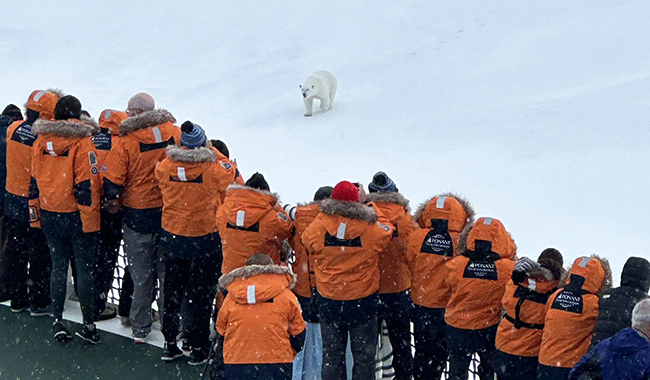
(536, 111)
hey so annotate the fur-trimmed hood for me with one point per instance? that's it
(180, 154)
(85, 127)
(146, 120)
(420, 215)
(245, 206)
(275, 196)
(257, 283)
(389, 197)
(488, 229)
(596, 281)
(352, 210)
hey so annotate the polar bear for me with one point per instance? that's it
(321, 86)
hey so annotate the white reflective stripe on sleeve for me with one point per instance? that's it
(37, 97)
(241, 215)
(441, 202)
(50, 148)
(157, 135)
(532, 284)
(250, 295)
(487, 221)
(107, 115)
(584, 261)
(181, 174)
(341, 232)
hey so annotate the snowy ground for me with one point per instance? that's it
(538, 112)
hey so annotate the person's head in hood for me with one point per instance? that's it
(13, 112)
(636, 274)
(381, 183)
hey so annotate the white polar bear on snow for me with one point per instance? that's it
(321, 86)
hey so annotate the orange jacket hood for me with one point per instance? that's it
(254, 202)
(111, 120)
(257, 283)
(63, 133)
(137, 126)
(448, 206)
(389, 197)
(489, 230)
(595, 271)
(43, 102)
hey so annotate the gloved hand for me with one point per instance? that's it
(526, 265)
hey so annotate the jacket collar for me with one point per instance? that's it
(179, 154)
(65, 128)
(146, 120)
(255, 270)
(352, 210)
(389, 197)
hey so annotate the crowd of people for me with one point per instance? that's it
(210, 247)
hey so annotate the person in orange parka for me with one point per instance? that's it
(250, 221)
(130, 183)
(571, 315)
(260, 321)
(65, 192)
(394, 273)
(519, 335)
(345, 240)
(26, 246)
(191, 180)
(429, 247)
(110, 234)
(477, 281)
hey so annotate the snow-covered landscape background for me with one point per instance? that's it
(537, 112)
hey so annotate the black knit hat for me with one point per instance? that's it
(13, 112)
(551, 259)
(636, 273)
(323, 192)
(221, 147)
(68, 107)
(257, 181)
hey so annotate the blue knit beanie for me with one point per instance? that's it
(381, 183)
(192, 135)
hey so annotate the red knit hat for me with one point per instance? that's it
(345, 191)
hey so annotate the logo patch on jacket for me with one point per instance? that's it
(568, 301)
(438, 244)
(383, 227)
(483, 270)
(283, 217)
(92, 158)
(226, 165)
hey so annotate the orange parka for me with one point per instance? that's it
(394, 272)
(251, 221)
(429, 247)
(259, 315)
(520, 331)
(109, 130)
(131, 162)
(303, 266)
(477, 279)
(20, 141)
(65, 171)
(191, 182)
(571, 313)
(345, 240)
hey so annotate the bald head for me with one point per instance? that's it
(141, 102)
(641, 316)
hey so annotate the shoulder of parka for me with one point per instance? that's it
(467, 206)
(145, 120)
(178, 154)
(85, 127)
(389, 197)
(255, 270)
(352, 210)
(275, 196)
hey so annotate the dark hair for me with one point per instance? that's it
(68, 107)
(257, 181)
(221, 147)
(259, 259)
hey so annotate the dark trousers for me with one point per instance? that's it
(108, 247)
(395, 308)
(463, 343)
(280, 371)
(27, 246)
(545, 372)
(513, 367)
(66, 242)
(358, 319)
(430, 346)
(192, 276)
(126, 294)
(4, 264)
